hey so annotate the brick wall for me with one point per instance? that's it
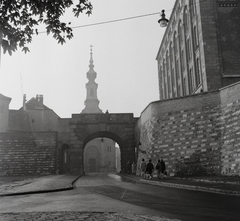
(230, 152)
(185, 133)
(195, 135)
(25, 153)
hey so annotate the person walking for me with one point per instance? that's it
(163, 169)
(150, 169)
(133, 168)
(143, 167)
(128, 167)
(158, 168)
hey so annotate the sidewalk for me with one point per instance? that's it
(25, 185)
(219, 184)
(10, 186)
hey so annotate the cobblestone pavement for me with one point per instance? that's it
(77, 216)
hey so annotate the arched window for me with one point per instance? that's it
(195, 37)
(194, 7)
(180, 33)
(198, 73)
(161, 83)
(172, 70)
(165, 79)
(189, 49)
(186, 19)
(190, 81)
(168, 74)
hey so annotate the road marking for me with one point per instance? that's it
(123, 193)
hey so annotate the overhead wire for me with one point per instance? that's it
(121, 19)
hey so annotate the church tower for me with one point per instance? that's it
(91, 102)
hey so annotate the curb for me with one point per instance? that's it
(191, 187)
(70, 187)
(184, 186)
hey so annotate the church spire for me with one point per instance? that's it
(91, 66)
(91, 102)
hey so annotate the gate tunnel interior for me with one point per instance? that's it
(123, 148)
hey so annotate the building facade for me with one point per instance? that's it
(200, 50)
(4, 112)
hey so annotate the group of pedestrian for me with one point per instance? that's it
(147, 169)
(131, 168)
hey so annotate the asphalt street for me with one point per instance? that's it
(111, 197)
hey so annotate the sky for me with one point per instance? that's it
(124, 55)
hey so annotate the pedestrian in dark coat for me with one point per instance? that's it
(163, 168)
(150, 168)
(128, 167)
(158, 168)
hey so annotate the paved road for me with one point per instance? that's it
(170, 202)
(103, 197)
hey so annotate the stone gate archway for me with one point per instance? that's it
(85, 127)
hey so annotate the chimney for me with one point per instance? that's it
(24, 102)
(39, 99)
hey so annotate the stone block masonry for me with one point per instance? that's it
(28, 153)
(230, 152)
(195, 135)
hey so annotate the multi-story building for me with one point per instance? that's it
(200, 50)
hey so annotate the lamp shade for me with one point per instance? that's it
(163, 21)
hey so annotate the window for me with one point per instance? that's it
(165, 79)
(186, 20)
(198, 73)
(169, 86)
(194, 3)
(175, 44)
(177, 70)
(182, 60)
(184, 86)
(190, 79)
(189, 49)
(195, 38)
(161, 83)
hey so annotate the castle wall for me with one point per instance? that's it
(195, 135)
(27, 153)
(230, 152)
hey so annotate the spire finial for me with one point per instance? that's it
(91, 46)
(91, 66)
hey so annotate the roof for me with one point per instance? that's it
(2, 97)
(33, 104)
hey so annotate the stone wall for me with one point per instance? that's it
(230, 152)
(195, 135)
(27, 153)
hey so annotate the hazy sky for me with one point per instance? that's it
(124, 55)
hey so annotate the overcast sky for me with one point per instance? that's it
(124, 55)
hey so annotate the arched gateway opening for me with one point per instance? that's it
(86, 127)
(101, 155)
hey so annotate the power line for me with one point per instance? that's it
(122, 19)
(111, 21)
(116, 20)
